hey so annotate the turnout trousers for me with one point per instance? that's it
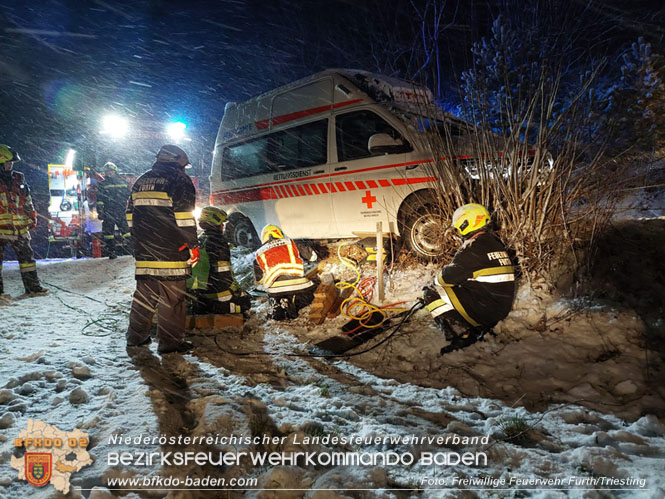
(26, 260)
(111, 219)
(168, 297)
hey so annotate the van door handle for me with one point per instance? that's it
(318, 171)
(339, 168)
(411, 167)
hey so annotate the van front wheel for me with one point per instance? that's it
(240, 231)
(424, 232)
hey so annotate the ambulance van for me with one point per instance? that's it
(329, 156)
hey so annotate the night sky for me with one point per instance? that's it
(66, 63)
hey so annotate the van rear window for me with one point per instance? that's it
(298, 147)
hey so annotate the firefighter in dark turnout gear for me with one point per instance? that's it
(160, 214)
(280, 268)
(17, 218)
(213, 286)
(112, 194)
(478, 285)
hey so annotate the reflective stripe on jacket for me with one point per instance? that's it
(282, 268)
(160, 214)
(480, 281)
(17, 213)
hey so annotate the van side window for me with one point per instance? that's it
(301, 146)
(354, 130)
(298, 147)
(246, 159)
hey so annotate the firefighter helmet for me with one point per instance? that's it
(470, 218)
(271, 232)
(211, 215)
(173, 154)
(8, 154)
(110, 166)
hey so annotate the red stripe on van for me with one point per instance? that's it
(350, 186)
(285, 118)
(419, 180)
(372, 184)
(243, 196)
(286, 191)
(361, 185)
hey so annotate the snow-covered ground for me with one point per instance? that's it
(64, 363)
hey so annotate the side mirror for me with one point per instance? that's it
(382, 143)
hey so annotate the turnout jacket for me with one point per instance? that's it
(159, 213)
(213, 277)
(280, 268)
(17, 214)
(112, 194)
(480, 280)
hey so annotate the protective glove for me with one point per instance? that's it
(100, 214)
(314, 256)
(33, 224)
(194, 254)
(429, 295)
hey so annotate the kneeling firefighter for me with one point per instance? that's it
(213, 286)
(280, 268)
(478, 285)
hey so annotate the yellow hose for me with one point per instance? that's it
(360, 300)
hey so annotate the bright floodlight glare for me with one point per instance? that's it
(115, 126)
(69, 159)
(176, 130)
(196, 213)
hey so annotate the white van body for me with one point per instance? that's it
(301, 157)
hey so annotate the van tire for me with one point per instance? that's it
(423, 227)
(240, 231)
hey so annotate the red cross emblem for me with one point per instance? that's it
(369, 199)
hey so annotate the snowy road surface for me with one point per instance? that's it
(64, 363)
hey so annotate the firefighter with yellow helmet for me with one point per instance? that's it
(213, 287)
(478, 286)
(17, 218)
(279, 266)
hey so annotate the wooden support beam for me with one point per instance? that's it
(324, 298)
(379, 259)
(213, 320)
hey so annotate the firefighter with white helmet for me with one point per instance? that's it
(17, 218)
(112, 194)
(280, 268)
(160, 214)
(478, 285)
(213, 286)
